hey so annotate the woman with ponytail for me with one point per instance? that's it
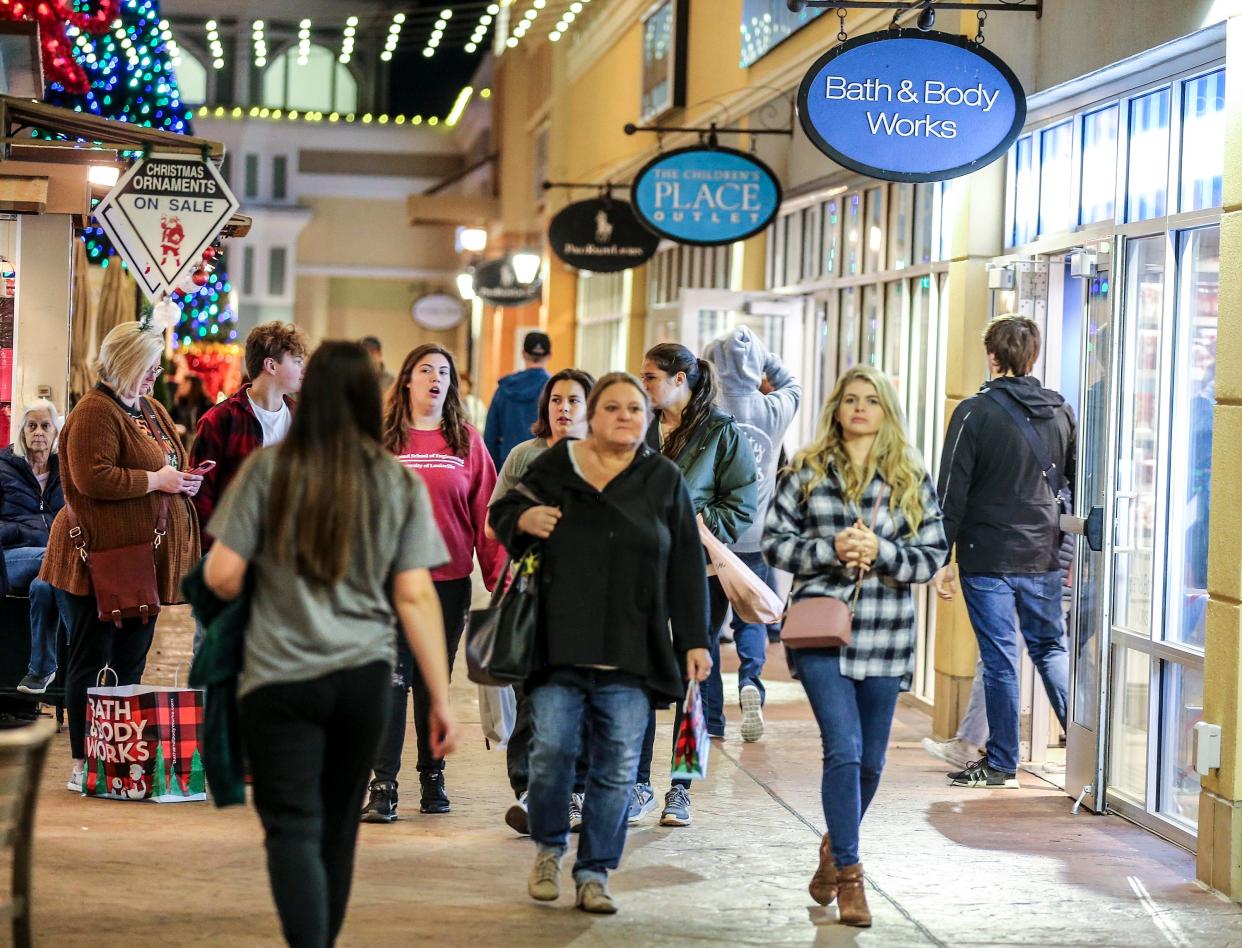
(718, 466)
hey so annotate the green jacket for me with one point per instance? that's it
(216, 667)
(718, 466)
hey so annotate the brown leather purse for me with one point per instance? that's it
(124, 577)
(825, 621)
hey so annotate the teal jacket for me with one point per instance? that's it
(718, 466)
(216, 667)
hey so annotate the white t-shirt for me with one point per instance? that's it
(42, 479)
(275, 424)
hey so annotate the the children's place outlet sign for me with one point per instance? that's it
(903, 105)
(706, 196)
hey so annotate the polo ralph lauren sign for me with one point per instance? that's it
(904, 105)
(601, 235)
(706, 196)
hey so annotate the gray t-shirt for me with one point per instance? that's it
(516, 465)
(301, 630)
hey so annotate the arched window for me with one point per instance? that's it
(191, 78)
(315, 82)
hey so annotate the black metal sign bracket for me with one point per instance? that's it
(709, 136)
(1035, 6)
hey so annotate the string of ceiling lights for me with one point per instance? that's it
(470, 24)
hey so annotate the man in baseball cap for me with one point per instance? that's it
(515, 406)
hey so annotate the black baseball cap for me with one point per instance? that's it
(537, 344)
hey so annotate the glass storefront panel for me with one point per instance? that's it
(1181, 708)
(1026, 188)
(810, 248)
(872, 326)
(1056, 201)
(924, 222)
(873, 259)
(918, 382)
(1148, 163)
(853, 234)
(1194, 395)
(1138, 457)
(830, 237)
(900, 219)
(1127, 763)
(847, 339)
(1098, 196)
(894, 316)
(1203, 141)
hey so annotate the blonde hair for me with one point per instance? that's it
(38, 404)
(126, 353)
(891, 456)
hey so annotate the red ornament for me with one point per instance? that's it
(53, 16)
(200, 278)
(209, 253)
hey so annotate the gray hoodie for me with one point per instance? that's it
(742, 361)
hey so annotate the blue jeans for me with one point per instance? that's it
(22, 564)
(1001, 605)
(616, 704)
(854, 719)
(751, 638)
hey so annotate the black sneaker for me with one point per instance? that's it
(34, 685)
(980, 775)
(434, 799)
(381, 802)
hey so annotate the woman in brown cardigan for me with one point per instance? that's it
(113, 467)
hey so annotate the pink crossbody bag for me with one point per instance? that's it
(825, 621)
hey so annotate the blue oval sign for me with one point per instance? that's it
(904, 105)
(706, 196)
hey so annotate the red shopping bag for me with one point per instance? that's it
(691, 743)
(142, 743)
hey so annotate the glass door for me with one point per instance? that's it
(1088, 627)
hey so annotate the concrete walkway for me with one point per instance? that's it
(945, 866)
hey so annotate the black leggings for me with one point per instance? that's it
(92, 645)
(311, 744)
(455, 605)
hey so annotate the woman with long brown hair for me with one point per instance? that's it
(425, 426)
(334, 541)
(718, 465)
(855, 517)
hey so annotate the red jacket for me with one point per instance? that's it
(228, 433)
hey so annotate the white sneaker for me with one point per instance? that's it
(75, 781)
(752, 714)
(954, 752)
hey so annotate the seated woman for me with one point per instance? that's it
(30, 497)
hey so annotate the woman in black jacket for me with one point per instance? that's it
(718, 465)
(30, 496)
(619, 565)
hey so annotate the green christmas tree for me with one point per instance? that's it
(159, 780)
(198, 782)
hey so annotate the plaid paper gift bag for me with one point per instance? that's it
(142, 744)
(691, 743)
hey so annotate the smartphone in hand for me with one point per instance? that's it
(202, 468)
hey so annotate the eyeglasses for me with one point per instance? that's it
(154, 372)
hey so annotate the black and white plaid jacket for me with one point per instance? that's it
(799, 536)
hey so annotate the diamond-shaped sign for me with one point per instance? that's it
(162, 214)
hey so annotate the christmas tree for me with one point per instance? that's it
(131, 79)
(198, 780)
(159, 779)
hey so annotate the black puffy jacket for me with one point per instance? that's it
(998, 507)
(26, 513)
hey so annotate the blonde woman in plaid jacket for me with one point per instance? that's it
(820, 528)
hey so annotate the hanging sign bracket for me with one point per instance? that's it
(797, 6)
(708, 134)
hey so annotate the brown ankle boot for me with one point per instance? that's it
(823, 887)
(851, 899)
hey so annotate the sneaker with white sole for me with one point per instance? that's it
(544, 883)
(676, 808)
(35, 684)
(517, 818)
(752, 714)
(956, 751)
(575, 812)
(75, 780)
(979, 775)
(642, 802)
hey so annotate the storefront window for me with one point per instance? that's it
(1056, 147)
(900, 217)
(793, 248)
(1203, 141)
(951, 193)
(1127, 766)
(1099, 165)
(830, 221)
(853, 234)
(872, 326)
(847, 340)
(1194, 396)
(810, 252)
(874, 257)
(1148, 164)
(1026, 190)
(924, 221)
(894, 314)
(1182, 708)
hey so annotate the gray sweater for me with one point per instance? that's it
(743, 361)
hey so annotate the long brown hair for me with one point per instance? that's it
(892, 456)
(542, 428)
(671, 358)
(398, 417)
(320, 492)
